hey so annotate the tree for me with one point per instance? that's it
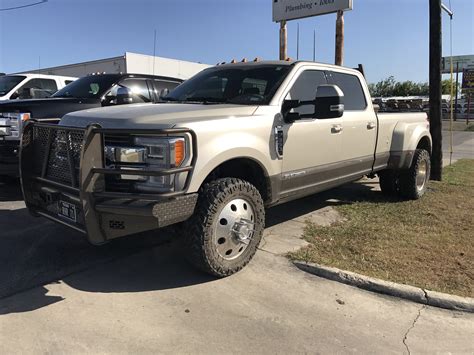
(446, 87)
(390, 87)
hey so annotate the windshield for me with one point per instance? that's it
(8, 82)
(88, 87)
(251, 85)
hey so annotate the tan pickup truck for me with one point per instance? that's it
(223, 146)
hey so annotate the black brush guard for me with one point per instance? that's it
(59, 163)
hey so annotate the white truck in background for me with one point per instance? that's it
(31, 86)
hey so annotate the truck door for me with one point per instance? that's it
(311, 147)
(359, 125)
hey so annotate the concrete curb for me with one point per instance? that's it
(411, 293)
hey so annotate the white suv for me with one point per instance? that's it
(31, 86)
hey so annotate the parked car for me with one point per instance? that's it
(85, 93)
(228, 143)
(31, 86)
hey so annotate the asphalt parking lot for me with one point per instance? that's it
(59, 294)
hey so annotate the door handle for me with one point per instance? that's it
(371, 125)
(337, 128)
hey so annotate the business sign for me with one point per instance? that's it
(468, 81)
(294, 9)
(460, 62)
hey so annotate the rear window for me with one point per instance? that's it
(354, 98)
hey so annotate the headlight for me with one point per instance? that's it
(163, 152)
(150, 153)
(15, 122)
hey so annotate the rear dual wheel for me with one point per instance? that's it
(414, 181)
(409, 183)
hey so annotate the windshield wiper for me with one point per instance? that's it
(205, 100)
(168, 99)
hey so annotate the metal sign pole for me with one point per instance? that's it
(339, 57)
(456, 90)
(468, 109)
(283, 40)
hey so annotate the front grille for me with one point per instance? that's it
(118, 140)
(58, 152)
(115, 184)
(8, 151)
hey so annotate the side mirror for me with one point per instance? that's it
(15, 95)
(164, 92)
(329, 102)
(26, 93)
(124, 96)
(287, 106)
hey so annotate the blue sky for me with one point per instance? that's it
(390, 37)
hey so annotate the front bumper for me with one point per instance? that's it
(9, 158)
(75, 174)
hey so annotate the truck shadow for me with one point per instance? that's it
(361, 191)
(164, 267)
(35, 252)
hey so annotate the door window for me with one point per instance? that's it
(37, 89)
(304, 89)
(162, 87)
(138, 87)
(354, 98)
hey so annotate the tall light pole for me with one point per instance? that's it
(298, 42)
(314, 46)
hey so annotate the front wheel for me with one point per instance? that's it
(414, 180)
(223, 234)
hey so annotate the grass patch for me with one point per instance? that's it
(459, 125)
(427, 243)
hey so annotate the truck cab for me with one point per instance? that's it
(31, 86)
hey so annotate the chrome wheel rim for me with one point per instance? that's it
(235, 227)
(421, 175)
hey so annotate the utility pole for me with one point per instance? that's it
(339, 58)
(283, 40)
(435, 89)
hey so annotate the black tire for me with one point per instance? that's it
(389, 182)
(414, 181)
(201, 250)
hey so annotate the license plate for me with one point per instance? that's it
(67, 210)
(4, 131)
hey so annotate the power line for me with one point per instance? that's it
(23, 6)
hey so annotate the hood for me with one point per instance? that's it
(164, 115)
(53, 107)
(38, 102)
